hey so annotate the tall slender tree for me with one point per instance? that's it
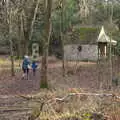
(61, 34)
(9, 21)
(47, 33)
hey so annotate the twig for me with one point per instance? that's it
(26, 97)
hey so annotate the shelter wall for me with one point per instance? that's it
(88, 52)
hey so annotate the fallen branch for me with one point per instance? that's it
(73, 94)
(87, 94)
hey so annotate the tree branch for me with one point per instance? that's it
(74, 94)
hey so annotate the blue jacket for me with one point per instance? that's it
(34, 65)
(25, 63)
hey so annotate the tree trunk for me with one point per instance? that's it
(110, 64)
(11, 47)
(23, 49)
(9, 20)
(62, 35)
(26, 42)
(47, 32)
(20, 37)
(33, 20)
(12, 58)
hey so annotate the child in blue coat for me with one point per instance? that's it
(34, 67)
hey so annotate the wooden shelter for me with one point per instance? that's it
(103, 43)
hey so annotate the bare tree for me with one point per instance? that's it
(28, 11)
(62, 34)
(47, 33)
(9, 21)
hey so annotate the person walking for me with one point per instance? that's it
(34, 67)
(25, 67)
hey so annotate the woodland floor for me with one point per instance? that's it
(81, 75)
(85, 77)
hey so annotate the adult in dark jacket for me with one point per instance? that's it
(25, 66)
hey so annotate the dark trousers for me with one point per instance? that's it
(34, 72)
(25, 71)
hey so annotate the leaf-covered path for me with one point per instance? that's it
(14, 108)
(16, 85)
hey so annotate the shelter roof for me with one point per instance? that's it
(104, 38)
